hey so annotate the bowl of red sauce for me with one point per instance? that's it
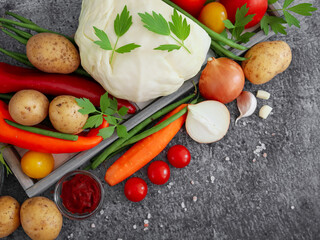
(79, 195)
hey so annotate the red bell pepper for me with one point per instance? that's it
(41, 143)
(13, 79)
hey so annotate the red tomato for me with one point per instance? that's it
(179, 156)
(159, 172)
(191, 6)
(135, 189)
(258, 7)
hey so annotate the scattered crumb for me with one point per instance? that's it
(159, 191)
(119, 239)
(93, 225)
(212, 178)
(185, 209)
(183, 205)
(146, 221)
(161, 225)
(244, 123)
(265, 155)
(106, 217)
(192, 182)
(145, 229)
(194, 198)
(169, 186)
(171, 183)
(273, 134)
(259, 149)
(102, 212)
(146, 225)
(227, 159)
(292, 207)
(254, 160)
(149, 216)
(70, 236)
(135, 226)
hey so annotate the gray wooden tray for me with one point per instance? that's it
(33, 187)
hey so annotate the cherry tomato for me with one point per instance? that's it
(159, 172)
(179, 156)
(37, 164)
(135, 189)
(191, 6)
(213, 15)
(257, 7)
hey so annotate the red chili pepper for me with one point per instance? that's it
(13, 79)
(41, 143)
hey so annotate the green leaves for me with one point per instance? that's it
(241, 21)
(122, 24)
(158, 24)
(109, 112)
(277, 23)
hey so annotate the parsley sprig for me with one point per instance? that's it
(108, 111)
(277, 23)
(158, 24)
(3, 162)
(122, 24)
(241, 21)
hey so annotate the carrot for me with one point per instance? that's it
(145, 150)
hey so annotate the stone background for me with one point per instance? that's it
(242, 192)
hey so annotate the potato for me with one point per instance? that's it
(9, 215)
(266, 60)
(40, 218)
(28, 107)
(52, 53)
(64, 115)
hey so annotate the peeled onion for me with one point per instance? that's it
(222, 79)
(207, 121)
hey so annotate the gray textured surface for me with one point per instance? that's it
(273, 197)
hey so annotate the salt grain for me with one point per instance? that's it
(192, 182)
(146, 221)
(102, 212)
(183, 205)
(161, 225)
(227, 159)
(159, 191)
(134, 226)
(292, 207)
(149, 216)
(212, 178)
(259, 149)
(93, 225)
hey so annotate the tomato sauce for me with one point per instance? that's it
(81, 194)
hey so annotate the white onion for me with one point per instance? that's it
(207, 121)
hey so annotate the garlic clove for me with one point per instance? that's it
(263, 94)
(265, 111)
(247, 104)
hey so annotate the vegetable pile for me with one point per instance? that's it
(57, 108)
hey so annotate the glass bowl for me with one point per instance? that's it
(58, 200)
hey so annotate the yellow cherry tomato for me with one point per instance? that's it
(213, 15)
(36, 164)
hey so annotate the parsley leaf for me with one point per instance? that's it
(272, 1)
(122, 24)
(241, 20)
(2, 161)
(277, 23)
(155, 23)
(122, 131)
(109, 108)
(168, 47)
(158, 24)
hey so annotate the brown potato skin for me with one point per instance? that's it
(52, 53)
(40, 218)
(28, 107)
(9, 215)
(266, 60)
(64, 115)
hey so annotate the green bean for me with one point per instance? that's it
(19, 32)
(118, 143)
(6, 96)
(212, 34)
(224, 51)
(33, 27)
(16, 37)
(44, 132)
(16, 56)
(20, 18)
(155, 128)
